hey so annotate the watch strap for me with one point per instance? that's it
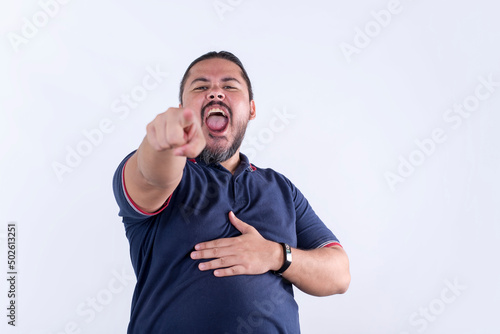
(287, 261)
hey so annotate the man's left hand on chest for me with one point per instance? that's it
(247, 254)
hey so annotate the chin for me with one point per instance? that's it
(217, 147)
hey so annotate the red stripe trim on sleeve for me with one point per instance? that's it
(134, 205)
(331, 244)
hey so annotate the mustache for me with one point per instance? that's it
(214, 103)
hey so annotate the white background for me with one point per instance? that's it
(355, 117)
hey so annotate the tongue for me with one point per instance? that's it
(216, 123)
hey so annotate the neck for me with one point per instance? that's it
(232, 163)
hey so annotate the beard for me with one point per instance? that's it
(218, 153)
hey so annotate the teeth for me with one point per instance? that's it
(216, 111)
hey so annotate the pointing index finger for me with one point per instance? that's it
(187, 117)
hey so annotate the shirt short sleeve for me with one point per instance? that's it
(128, 209)
(311, 231)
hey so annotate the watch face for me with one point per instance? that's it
(288, 253)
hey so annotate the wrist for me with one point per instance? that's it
(278, 256)
(287, 259)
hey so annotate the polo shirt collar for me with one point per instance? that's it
(244, 165)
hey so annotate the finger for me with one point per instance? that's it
(231, 271)
(162, 131)
(151, 136)
(196, 143)
(187, 117)
(217, 243)
(192, 131)
(239, 224)
(212, 253)
(173, 134)
(223, 262)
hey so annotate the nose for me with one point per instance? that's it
(215, 94)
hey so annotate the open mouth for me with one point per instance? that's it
(217, 120)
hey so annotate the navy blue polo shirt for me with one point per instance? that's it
(172, 295)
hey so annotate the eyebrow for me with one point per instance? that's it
(198, 79)
(230, 79)
(201, 79)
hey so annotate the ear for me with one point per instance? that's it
(180, 105)
(253, 113)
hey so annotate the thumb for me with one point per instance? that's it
(239, 224)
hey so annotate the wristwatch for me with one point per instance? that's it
(287, 252)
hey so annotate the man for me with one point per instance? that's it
(216, 243)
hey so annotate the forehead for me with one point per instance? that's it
(214, 69)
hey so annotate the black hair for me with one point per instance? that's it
(221, 55)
